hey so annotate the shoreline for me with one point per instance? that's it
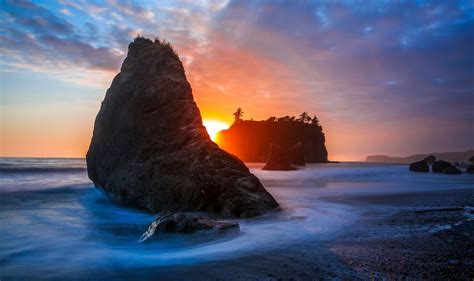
(380, 246)
(342, 221)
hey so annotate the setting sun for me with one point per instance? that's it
(213, 127)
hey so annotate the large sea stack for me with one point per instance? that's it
(150, 150)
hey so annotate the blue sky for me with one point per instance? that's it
(392, 77)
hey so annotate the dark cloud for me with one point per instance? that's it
(356, 62)
(37, 37)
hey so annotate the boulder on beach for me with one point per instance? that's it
(430, 159)
(452, 170)
(150, 150)
(277, 159)
(183, 223)
(439, 166)
(420, 166)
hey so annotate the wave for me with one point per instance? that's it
(26, 170)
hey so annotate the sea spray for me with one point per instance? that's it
(186, 223)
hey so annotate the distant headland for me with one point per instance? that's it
(447, 156)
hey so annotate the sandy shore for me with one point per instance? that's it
(347, 221)
(410, 244)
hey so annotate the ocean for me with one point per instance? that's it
(55, 225)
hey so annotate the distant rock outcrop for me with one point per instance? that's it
(250, 140)
(150, 150)
(277, 159)
(470, 169)
(452, 170)
(430, 159)
(439, 166)
(447, 156)
(420, 166)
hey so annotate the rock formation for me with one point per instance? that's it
(452, 170)
(430, 159)
(470, 169)
(250, 140)
(150, 150)
(183, 223)
(277, 159)
(439, 166)
(420, 166)
(296, 155)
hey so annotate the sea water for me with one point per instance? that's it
(55, 224)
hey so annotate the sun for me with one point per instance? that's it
(213, 127)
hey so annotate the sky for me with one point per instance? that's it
(383, 77)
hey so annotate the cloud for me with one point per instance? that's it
(314, 60)
(358, 64)
(39, 40)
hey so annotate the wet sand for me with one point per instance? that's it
(408, 244)
(391, 241)
(347, 221)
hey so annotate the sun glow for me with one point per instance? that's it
(213, 127)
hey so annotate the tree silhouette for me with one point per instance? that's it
(250, 139)
(271, 119)
(315, 121)
(238, 114)
(304, 117)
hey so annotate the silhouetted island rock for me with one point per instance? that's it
(439, 166)
(420, 166)
(183, 223)
(452, 170)
(277, 159)
(250, 140)
(150, 150)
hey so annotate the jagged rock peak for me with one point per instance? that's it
(150, 150)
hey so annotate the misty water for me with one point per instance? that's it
(54, 223)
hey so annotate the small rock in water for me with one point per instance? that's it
(183, 223)
(440, 165)
(277, 159)
(452, 170)
(420, 166)
(470, 169)
(430, 159)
